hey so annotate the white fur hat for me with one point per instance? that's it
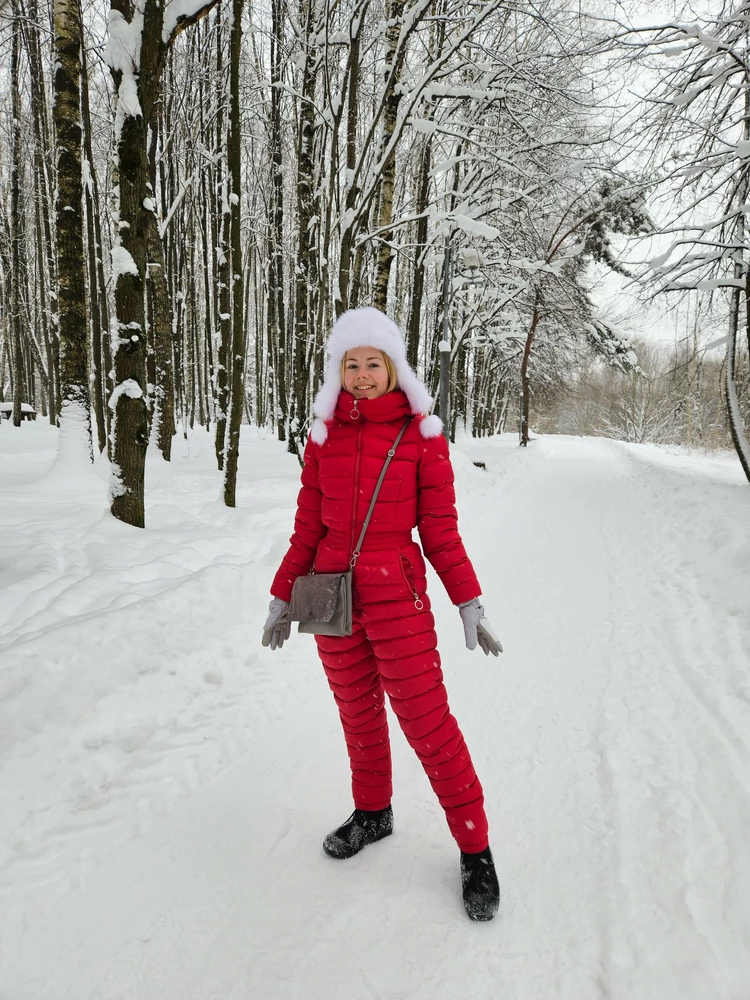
(369, 327)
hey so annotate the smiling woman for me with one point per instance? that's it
(368, 373)
(370, 404)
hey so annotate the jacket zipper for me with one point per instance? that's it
(355, 492)
(409, 580)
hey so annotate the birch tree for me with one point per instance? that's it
(44, 232)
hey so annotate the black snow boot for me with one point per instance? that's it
(479, 881)
(362, 828)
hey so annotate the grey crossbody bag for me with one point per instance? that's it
(322, 602)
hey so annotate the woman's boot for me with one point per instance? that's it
(362, 828)
(479, 881)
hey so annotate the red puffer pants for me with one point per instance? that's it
(393, 651)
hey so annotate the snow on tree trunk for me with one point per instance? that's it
(225, 323)
(139, 36)
(130, 419)
(223, 270)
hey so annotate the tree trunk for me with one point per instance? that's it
(342, 291)
(525, 392)
(137, 89)
(305, 210)
(736, 426)
(41, 202)
(75, 413)
(393, 67)
(51, 404)
(162, 422)
(234, 151)
(45, 184)
(417, 294)
(276, 304)
(160, 317)
(224, 323)
(97, 293)
(207, 259)
(19, 374)
(130, 425)
(107, 376)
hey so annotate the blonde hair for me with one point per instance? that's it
(389, 367)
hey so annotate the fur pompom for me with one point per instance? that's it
(319, 431)
(431, 426)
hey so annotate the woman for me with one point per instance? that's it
(368, 392)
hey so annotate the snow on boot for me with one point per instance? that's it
(479, 881)
(362, 828)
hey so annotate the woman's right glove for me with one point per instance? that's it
(477, 629)
(278, 627)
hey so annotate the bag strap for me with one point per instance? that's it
(391, 453)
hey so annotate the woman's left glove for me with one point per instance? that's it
(477, 629)
(278, 627)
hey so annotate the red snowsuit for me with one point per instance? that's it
(393, 648)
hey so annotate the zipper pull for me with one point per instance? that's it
(354, 412)
(418, 604)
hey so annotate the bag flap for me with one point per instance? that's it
(314, 597)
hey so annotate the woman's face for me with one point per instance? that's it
(365, 374)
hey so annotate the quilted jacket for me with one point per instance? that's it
(338, 480)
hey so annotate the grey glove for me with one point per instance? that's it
(278, 627)
(477, 629)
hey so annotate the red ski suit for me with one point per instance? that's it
(393, 648)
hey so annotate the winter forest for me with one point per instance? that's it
(550, 199)
(192, 192)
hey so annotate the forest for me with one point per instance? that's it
(192, 191)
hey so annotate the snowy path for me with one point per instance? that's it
(165, 783)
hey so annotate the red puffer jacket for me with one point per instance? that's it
(338, 480)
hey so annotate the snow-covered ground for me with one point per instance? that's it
(165, 782)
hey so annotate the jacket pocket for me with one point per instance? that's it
(407, 571)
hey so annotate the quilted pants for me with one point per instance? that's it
(393, 651)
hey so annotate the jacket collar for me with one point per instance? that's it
(392, 406)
